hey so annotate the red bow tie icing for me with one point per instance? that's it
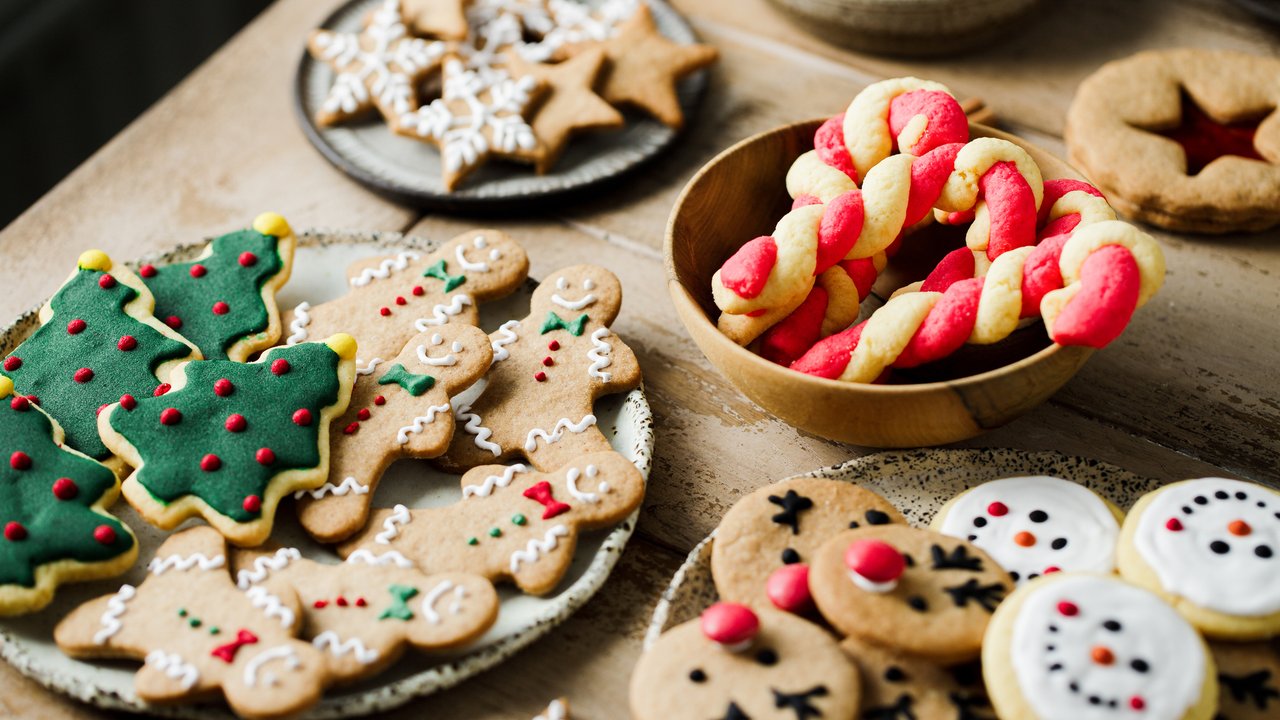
(730, 624)
(227, 653)
(542, 493)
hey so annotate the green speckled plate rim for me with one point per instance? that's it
(391, 695)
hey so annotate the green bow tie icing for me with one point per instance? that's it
(555, 322)
(413, 384)
(437, 271)
(400, 597)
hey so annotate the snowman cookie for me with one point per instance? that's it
(548, 370)
(1209, 547)
(737, 663)
(1080, 646)
(909, 590)
(900, 687)
(783, 524)
(1034, 526)
(1248, 680)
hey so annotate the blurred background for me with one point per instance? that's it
(73, 73)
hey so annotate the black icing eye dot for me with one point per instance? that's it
(1242, 496)
(1140, 665)
(979, 522)
(917, 603)
(1186, 510)
(1200, 500)
(1038, 516)
(696, 675)
(1058, 544)
(1032, 576)
(1221, 495)
(853, 525)
(972, 538)
(908, 560)
(790, 557)
(894, 674)
(1219, 547)
(875, 517)
(1262, 551)
(1014, 574)
(1111, 625)
(767, 657)
(1053, 628)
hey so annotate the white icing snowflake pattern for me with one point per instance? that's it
(501, 24)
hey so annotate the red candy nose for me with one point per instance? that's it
(788, 588)
(875, 560)
(729, 624)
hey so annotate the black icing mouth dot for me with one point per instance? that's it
(1221, 495)
(1140, 665)
(767, 657)
(1219, 547)
(979, 521)
(1058, 544)
(697, 675)
(1186, 510)
(1038, 516)
(917, 603)
(790, 557)
(1200, 500)
(875, 517)
(1112, 625)
(1263, 551)
(1242, 495)
(894, 674)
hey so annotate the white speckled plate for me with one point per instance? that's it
(319, 275)
(409, 170)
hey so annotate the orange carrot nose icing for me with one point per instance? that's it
(1102, 655)
(1239, 528)
(1025, 539)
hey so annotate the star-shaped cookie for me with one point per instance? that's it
(571, 106)
(444, 19)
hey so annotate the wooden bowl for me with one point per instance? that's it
(740, 195)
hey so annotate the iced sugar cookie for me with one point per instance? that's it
(1209, 547)
(1034, 526)
(1079, 646)
(900, 687)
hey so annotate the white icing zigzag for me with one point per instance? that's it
(179, 562)
(537, 548)
(486, 488)
(473, 427)
(270, 605)
(111, 618)
(420, 423)
(298, 328)
(348, 485)
(384, 269)
(557, 432)
(428, 603)
(337, 647)
(440, 314)
(507, 335)
(387, 558)
(279, 652)
(368, 369)
(599, 355)
(264, 566)
(391, 526)
(174, 666)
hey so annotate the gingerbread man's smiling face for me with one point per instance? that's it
(578, 290)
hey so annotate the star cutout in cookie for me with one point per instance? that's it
(444, 19)
(570, 107)
(1204, 139)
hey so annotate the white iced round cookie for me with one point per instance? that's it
(1080, 646)
(1035, 525)
(1211, 547)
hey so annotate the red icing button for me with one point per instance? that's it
(221, 308)
(75, 327)
(280, 366)
(363, 414)
(553, 345)
(128, 402)
(65, 489)
(417, 290)
(83, 375)
(252, 504)
(20, 403)
(265, 456)
(14, 531)
(547, 361)
(341, 601)
(875, 560)
(104, 534)
(360, 602)
(20, 461)
(1239, 528)
(106, 282)
(248, 259)
(729, 623)
(997, 509)
(12, 363)
(379, 400)
(302, 417)
(210, 463)
(126, 343)
(351, 429)
(222, 387)
(320, 604)
(788, 588)
(236, 423)
(174, 322)
(1051, 570)
(147, 271)
(400, 300)
(385, 311)
(161, 389)
(1174, 524)
(1025, 539)
(1068, 609)
(540, 376)
(1137, 703)
(198, 271)
(170, 416)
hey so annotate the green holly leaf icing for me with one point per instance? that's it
(48, 365)
(438, 271)
(201, 449)
(46, 500)
(217, 300)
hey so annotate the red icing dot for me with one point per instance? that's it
(14, 531)
(1137, 703)
(400, 300)
(248, 259)
(222, 387)
(19, 403)
(106, 282)
(1051, 570)
(553, 345)
(1174, 524)
(236, 423)
(104, 534)
(385, 311)
(252, 503)
(379, 400)
(161, 389)
(265, 456)
(417, 290)
(83, 375)
(198, 271)
(170, 416)
(788, 588)
(126, 343)
(221, 308)
(320, 604)
(1068, 609)
(147, 271)
(33, 399)
(280, 367)
(12, 363)
(540, 376)
(302, 417)
(210, 463)
(547, 361)
(363, 414)
(341, 601)
(875, 560)
(361, 602)
(20, 461)
(128, 402)
(729, 623)
(65, 489)
(998, 509)
(174, 322)
(351, 429)
(75, 327)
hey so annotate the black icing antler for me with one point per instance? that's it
(957, 559)
(799, 702)
(969, 707)
(1253, 688)
(792, 504)
(988, 596)
(735, 713)
(900, 710)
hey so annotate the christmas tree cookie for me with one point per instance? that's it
(229, 439)
(401, 411)
(53, 504)
(225, 300)
(98, 341)
(394, 297)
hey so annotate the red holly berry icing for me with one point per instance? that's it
(221, 308)
(279, 367)
(174, 322)
(223, 387)
(198, 271)
(236, 423)
(126, 343)
(15, 531)
(12, 363)
(20, 460)
(128, 402)
(302, 417)
(104, 534)
(75, 327)
(252, 504)
(170, 416)
(265, 456)
(210, 463)
(161, 389)
(248, 259)
(147, 271)
(83, 375)
(729, 624)
(65, 489)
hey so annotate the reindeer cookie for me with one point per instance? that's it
(363, 613)
(512, 523)
(909, 590)
(901, 687)
(738, 664)
(400, 411)
(548, 371)
(395, 297)
(1248, 680)
(198, 635)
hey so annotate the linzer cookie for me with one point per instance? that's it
(1209, 548)
(548, 370)
(393, 298)
(53, 513)
(98, 341)
(511, 523)
(738, 663)
(1078, 646)
(1187, 139)
(402, 410)
(198, 635)
(227, 440)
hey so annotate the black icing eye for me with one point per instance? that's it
(1242, 496)
(1219, 547)
(790, 557)
(908, 560)
(767, 657)
(1200, 500)
(696, 675)
(1058, 544)
(853, 525)
(917, 603)
(972, 538)
(979, 522)
(1112, 625)
(1014, 574)
(1221, 495)
(894, 674)
(1186, 510)
(1263, 551)
(875, 517)
(1038, 516)
(1140, 665)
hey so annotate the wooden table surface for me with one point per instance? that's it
(1189, 390)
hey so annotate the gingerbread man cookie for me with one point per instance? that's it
(737, 663)
(901, 687)
(363, 613)
(909, 590)
(512, 523)
(548, 370)
(401, 411)
(198, 635)
(395, 297)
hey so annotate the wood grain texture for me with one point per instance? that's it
(1188, 390)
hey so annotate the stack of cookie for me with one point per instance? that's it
(513, 79)
(1028, 598)
(163, 394)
